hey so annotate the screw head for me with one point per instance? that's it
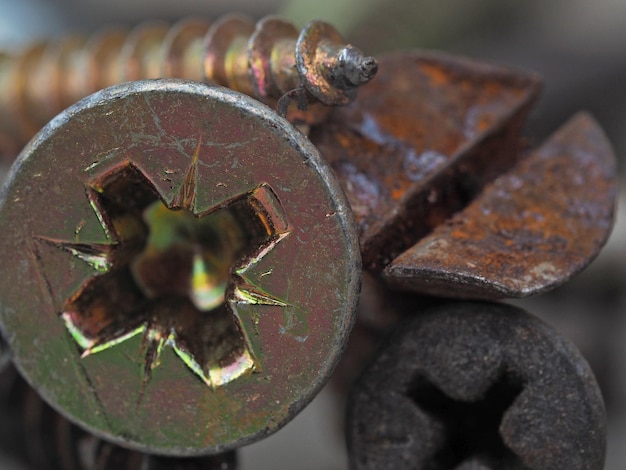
(179, 269)
(476, 385)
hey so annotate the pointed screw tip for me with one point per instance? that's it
(369, 68)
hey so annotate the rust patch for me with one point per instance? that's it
(531, 230)
(421, 141)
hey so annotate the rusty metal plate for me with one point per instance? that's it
(421, 141)
(179, 268)
(528, 232)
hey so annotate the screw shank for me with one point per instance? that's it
(262, 60)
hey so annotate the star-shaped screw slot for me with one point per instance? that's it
(173, 275)
(470, 429)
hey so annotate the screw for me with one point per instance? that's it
(432, 171)
(266, 61)
(191, 252)
(515, 229)
(447, 199)
(476, 385)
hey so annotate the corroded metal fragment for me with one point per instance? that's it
(421, 141)
(529, 231)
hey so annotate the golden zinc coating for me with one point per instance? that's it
(266, 60)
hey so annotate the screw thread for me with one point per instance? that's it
(266, 60)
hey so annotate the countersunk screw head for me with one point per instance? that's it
(179, 267)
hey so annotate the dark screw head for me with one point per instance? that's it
(179, 267)
(475, 385)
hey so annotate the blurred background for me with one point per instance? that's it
(576, 45)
